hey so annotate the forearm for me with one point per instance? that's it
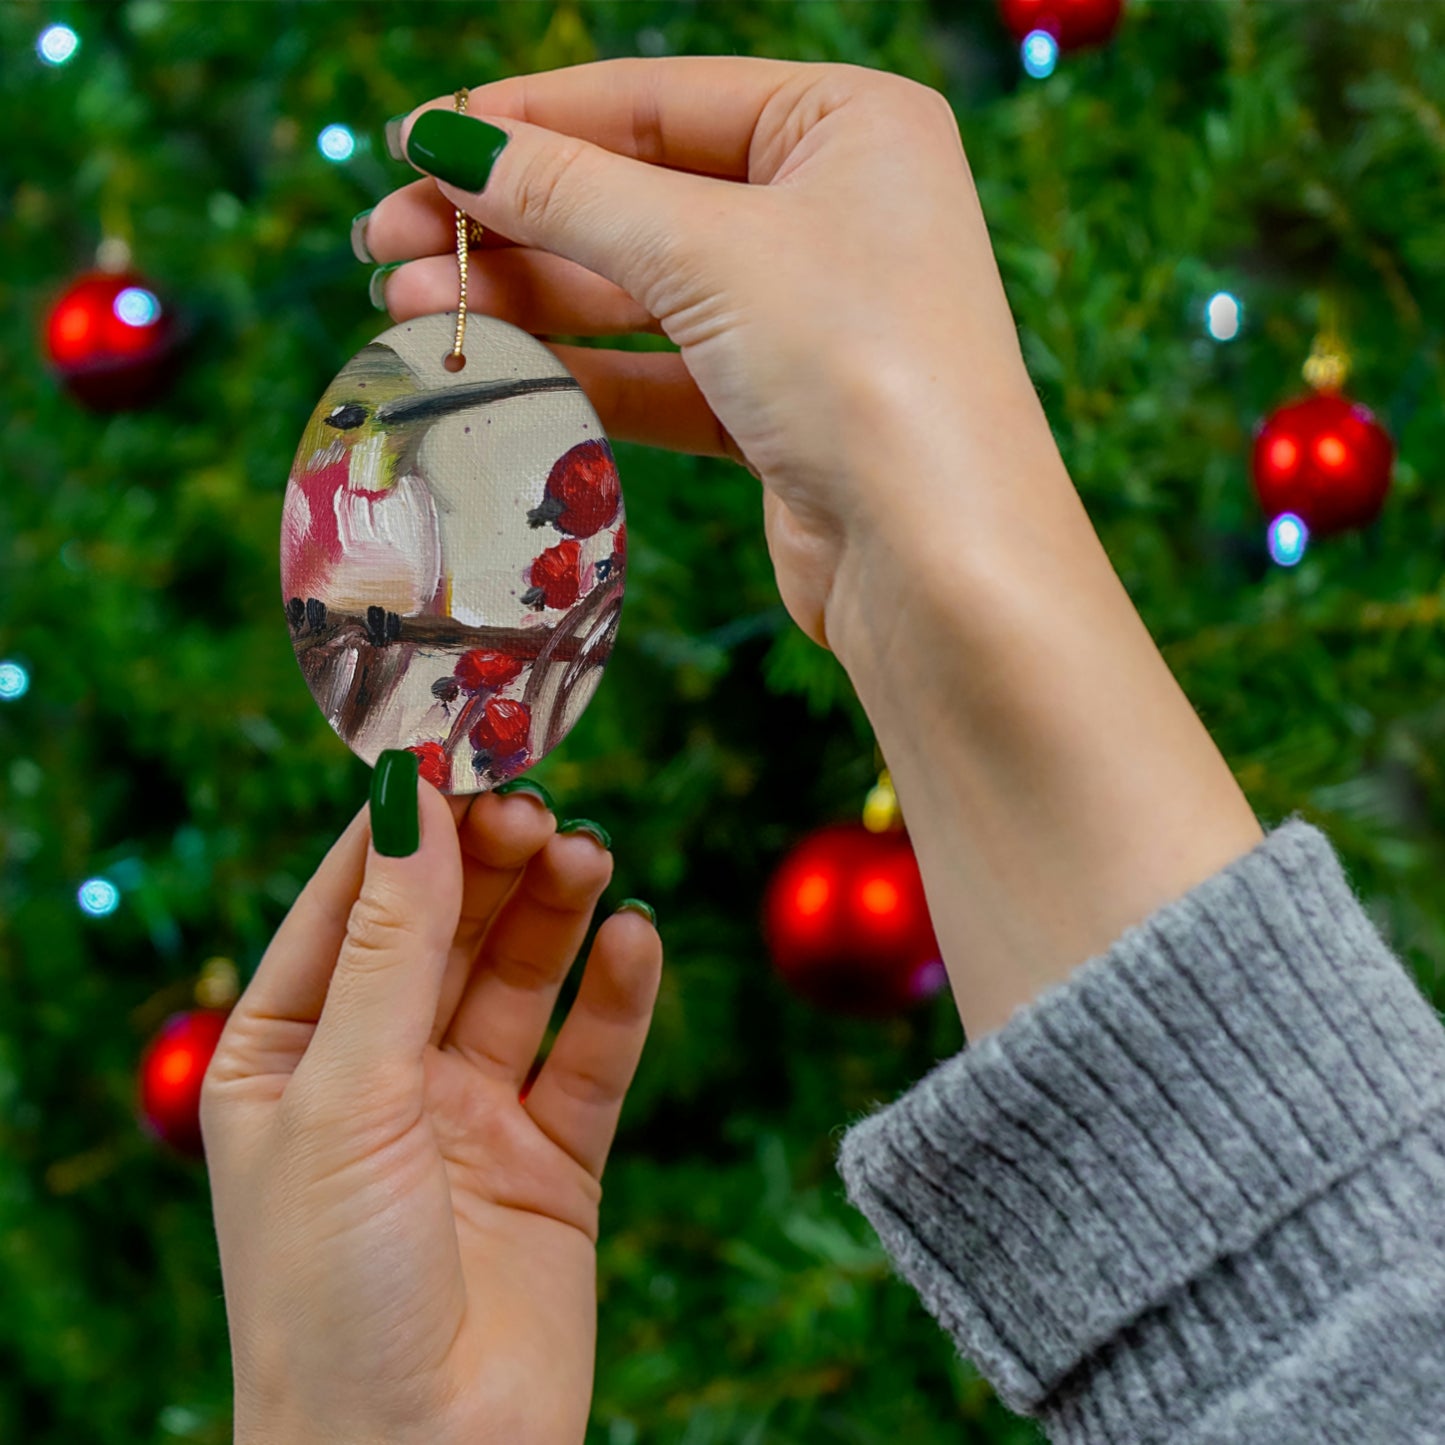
(1056, 782)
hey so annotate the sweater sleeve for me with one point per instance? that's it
(1196, 1192)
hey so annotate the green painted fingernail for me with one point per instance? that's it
(393, 136)
(636, 905)
(458, 149)
(528, 785)
(395, 824)
(359, 248)
(377, 287)
(586, 825)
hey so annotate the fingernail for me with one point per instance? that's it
(586, 825)
(458, 149)
(393, 137)
(359, 248)
(377, 287)
(528, 785)
(636, 905)
(395, 824)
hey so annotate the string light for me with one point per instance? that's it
(1040, 53)
(336, 143)
(137, 307)
(14, 681)
(98, 897)
(1288, 538)
(1223, 316)
(57, 44)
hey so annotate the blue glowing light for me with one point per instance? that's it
(336, 143)
(98, 897)
(137, 307)
(14, 681)
(1223, 316)
(1040, 54)
(57, 44)
(1288, 538)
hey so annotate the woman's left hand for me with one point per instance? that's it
(407, 1236)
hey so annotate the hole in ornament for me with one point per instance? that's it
(453, 362)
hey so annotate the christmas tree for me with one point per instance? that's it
(1180, 213)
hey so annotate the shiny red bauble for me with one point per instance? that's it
(171, 1071)
(1073, 23)
(1326, 459)
(847, 924)
(111, 340)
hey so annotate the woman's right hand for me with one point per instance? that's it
(843, 300)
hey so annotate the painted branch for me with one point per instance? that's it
(522, 642)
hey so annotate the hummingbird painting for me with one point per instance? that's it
(373, 538)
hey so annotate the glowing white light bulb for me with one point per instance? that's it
(137, 307)
(1288, 538)
(14, 681)
(57, 44)
(1223, 316)
(98, 897)
(336, 143)
(1040, 53)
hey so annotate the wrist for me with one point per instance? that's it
(951, 501)
(1056, 782)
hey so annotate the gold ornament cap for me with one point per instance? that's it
(219, 985)
(880, 809)
(1328, 365)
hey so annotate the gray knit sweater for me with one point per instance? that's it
(1197, 1191)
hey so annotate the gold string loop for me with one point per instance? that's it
(469, 233)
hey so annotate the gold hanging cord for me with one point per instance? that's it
(469, 233)
(1328, 366)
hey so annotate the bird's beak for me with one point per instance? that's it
(425, 406)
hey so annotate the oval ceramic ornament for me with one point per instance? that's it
(453, 546)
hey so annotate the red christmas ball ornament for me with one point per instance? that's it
(1326, 459)
(847, 923)
(1073, 23)
(111, 340)
(171, 1071)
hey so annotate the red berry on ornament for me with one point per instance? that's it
(111, 340)
(433, 765)
(1326, 459)
(847, 923)
(1073, 23)
(582, 493)
(502, 728)
(484, 668)
(556, 577)
(171, 1071)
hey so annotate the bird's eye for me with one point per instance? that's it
(343, 418)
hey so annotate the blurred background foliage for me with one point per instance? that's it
(1289, 153)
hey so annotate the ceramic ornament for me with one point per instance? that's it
(453, 546)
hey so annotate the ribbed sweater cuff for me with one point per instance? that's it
(1154, 1133)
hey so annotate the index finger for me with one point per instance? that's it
(696, 113)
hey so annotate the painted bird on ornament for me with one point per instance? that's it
(361, 544)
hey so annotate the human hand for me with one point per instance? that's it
(843, 301)
(407, 1246)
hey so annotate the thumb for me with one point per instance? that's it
(382, 999)
(622, 218)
